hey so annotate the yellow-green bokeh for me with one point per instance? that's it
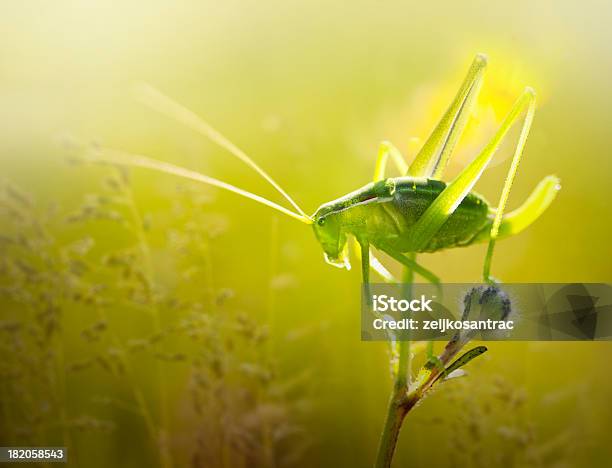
(309, 89)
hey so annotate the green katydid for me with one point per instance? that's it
(400, 216)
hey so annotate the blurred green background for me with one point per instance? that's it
(149, 321)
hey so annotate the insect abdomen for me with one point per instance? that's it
(412, 199)
(390, 219)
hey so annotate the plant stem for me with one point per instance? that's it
(390, 433)
(399, 406)
(399, 403)
(162, 429)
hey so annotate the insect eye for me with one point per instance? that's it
(321, 221)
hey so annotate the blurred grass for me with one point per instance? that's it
(309, 89)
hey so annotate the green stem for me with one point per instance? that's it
(163, 428)
(399, 406)
(399, 403)
(388, 439)
(268, 439)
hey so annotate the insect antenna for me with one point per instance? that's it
(158, 101)
(122, 158)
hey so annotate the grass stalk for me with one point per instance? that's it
(398, 405)
(162, 430)
(405, 393)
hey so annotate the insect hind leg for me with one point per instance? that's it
(436, 151)
(530, 100)
(451, 197)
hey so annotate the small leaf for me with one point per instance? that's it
(465, 358)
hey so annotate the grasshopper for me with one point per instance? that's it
(400, 216)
